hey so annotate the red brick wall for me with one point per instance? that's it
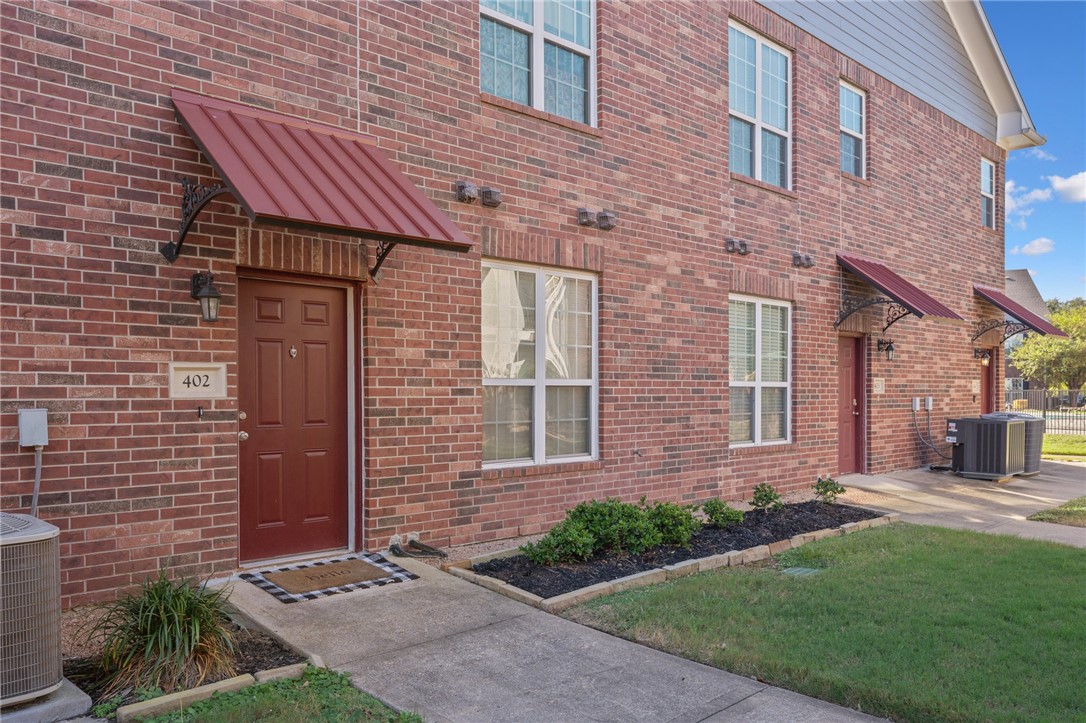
(92, 315)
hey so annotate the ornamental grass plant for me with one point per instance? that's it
(169, 635)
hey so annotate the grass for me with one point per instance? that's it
(1063, 446)
(319, 695)
(908, 622)
(1071, 512)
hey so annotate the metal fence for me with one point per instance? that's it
(1064, 411)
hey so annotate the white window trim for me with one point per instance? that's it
(757, 122)
(537, 40)
(756, 418)
(540, 382)
(862, 137)
(988, 167)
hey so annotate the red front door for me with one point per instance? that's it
(292, 368)
(850, 404)
(987, 384)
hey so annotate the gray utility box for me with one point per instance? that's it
(1035, 438)
(987, 448)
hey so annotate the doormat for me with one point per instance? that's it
(294, 583)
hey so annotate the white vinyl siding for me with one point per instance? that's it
(540, 53)
(539, 365)
(987, 193)
(853, 130)
(759, 103)
(760, 364)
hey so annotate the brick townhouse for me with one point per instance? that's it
(470, 263)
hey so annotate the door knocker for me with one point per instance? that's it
(293, 351)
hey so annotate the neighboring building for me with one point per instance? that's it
(749, 175)
(1019, 287)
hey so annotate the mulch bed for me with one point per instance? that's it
(254, 651)
(759, 528)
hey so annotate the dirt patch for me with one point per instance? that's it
(758, 528)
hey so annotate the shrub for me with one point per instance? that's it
(568, 541)
(766, 498)
(828, 489)
(617, 525)
(721, 514)
(169, 636)
(675, 523)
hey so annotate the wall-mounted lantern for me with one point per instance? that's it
(204, 291)
(887, 345)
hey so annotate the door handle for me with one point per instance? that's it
(242, 436)
(855, 414)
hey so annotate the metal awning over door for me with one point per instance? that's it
(1027, 320)
(290, 172)
(902, 297)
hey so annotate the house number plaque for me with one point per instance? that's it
(197, 381)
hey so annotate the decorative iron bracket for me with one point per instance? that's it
(851, 304)
(384, 248)
(193, 199)
(1010, 328)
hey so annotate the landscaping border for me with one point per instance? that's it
(734, 558)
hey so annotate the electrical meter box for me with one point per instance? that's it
(33, 427)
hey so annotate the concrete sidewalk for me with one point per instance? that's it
(452, 651)
(947, 500)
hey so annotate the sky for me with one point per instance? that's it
(1044, 44)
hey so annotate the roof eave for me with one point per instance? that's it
(1015, 129)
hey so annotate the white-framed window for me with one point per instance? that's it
(540, 53)
(540, 390)
(760, 107)
(853, 129)
(760, 369)
(987, 193)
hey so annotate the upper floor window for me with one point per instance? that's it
(987, 193)
(540, 53)
(759, 103)
(852, 130)
(759, 361)
(539, 365)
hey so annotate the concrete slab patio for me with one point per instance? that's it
(452, 651)
(947, 500)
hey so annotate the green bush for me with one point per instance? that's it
(766, 498)
(828, 489)
(568, 541)
(617, 525)
(721, 514)
(170, 635)
(675, 523)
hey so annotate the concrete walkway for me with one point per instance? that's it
(947, 500)
(452, 651)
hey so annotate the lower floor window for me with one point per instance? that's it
(759, 361)
(539, 364)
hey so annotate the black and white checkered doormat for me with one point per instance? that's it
(395, 574)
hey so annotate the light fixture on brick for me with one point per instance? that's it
(802, 260)
(606, 220)
(887, 345)
(984, 355)
(490, 196)
(466, 192)
(586, 217)
(736, 246)
(204, 291)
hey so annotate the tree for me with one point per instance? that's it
(1057, 362)
(1055, 305)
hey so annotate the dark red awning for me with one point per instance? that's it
(1033, 321)
(288, 171)
(882, 278)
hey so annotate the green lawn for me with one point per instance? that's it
(1064, 445)
(320, 695)
(909, 622)
(1071, 512)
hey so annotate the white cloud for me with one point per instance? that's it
(1032, 273)
(1038, 246)
(1015, 250)
(1040, 154)
(1018, 201)
(1071, 190)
